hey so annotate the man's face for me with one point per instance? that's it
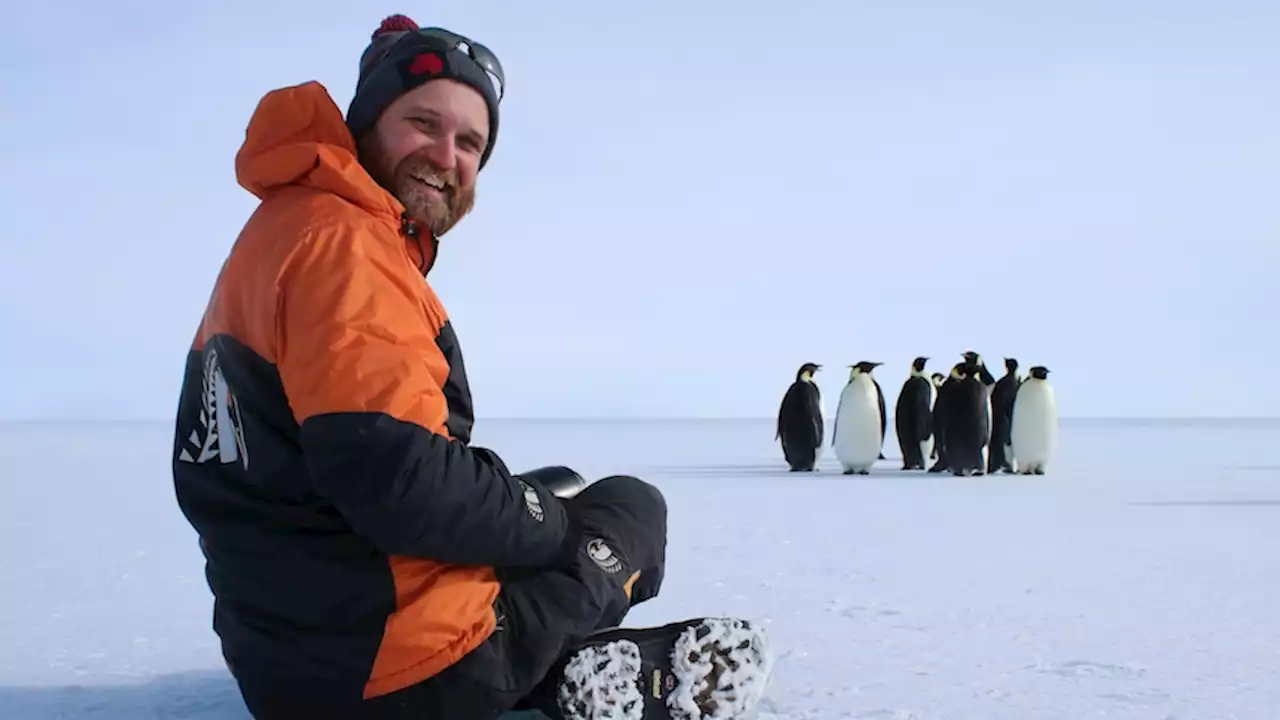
(425, 149)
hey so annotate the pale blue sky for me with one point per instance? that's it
(689, 199)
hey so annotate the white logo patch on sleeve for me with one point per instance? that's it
(602, 555)
(532, 502)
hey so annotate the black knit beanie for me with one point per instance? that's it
(400, 59)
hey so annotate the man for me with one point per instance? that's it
(365, 560)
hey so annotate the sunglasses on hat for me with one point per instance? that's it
(480, 54)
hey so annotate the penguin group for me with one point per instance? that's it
(966, 423)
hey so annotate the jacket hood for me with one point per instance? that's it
(298, 137)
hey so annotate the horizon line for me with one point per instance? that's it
(658, 418)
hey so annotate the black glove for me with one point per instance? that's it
(561, 482)
(564, 483)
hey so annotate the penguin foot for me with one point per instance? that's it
(1038, 471)
(847, 472)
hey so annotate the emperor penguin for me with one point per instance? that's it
(1034, 430)
(858, 434)
(913, 417)
(983, 373)
(1001, 458)
(988, 382)
(937, 378)
(966, 422)
(800, 421)
(942, 414)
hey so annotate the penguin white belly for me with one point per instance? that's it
(1034, 431)
(926, 446)
(986, 447)
(822, 413)
(857, 440)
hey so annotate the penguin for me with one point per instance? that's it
(858, 434)
(937, 378)
(941, 416)
(1034, 430)
(983, 373)
(800, 421)
(1001, 458)
(988, 383)
(913, 417)
(966, 423)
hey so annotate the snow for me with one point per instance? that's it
(1138, 579)
(602, 680)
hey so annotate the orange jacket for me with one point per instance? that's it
(350, 532)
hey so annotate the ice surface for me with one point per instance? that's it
(1139, 579)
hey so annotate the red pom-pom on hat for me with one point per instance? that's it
(395, 23)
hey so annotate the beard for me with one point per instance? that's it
(407, 181)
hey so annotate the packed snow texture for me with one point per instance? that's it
(600, 682)
(722, 666)
(1140, 578)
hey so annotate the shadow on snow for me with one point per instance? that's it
(200, 695)
(196, 695)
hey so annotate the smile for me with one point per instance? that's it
(434, 183)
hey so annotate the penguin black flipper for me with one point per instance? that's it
(782, 409)
(880, 399)
(883, 422)
(985, 375)
(835, 427)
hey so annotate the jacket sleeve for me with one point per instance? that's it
(357, 356)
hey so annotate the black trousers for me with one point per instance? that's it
(542, 615)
